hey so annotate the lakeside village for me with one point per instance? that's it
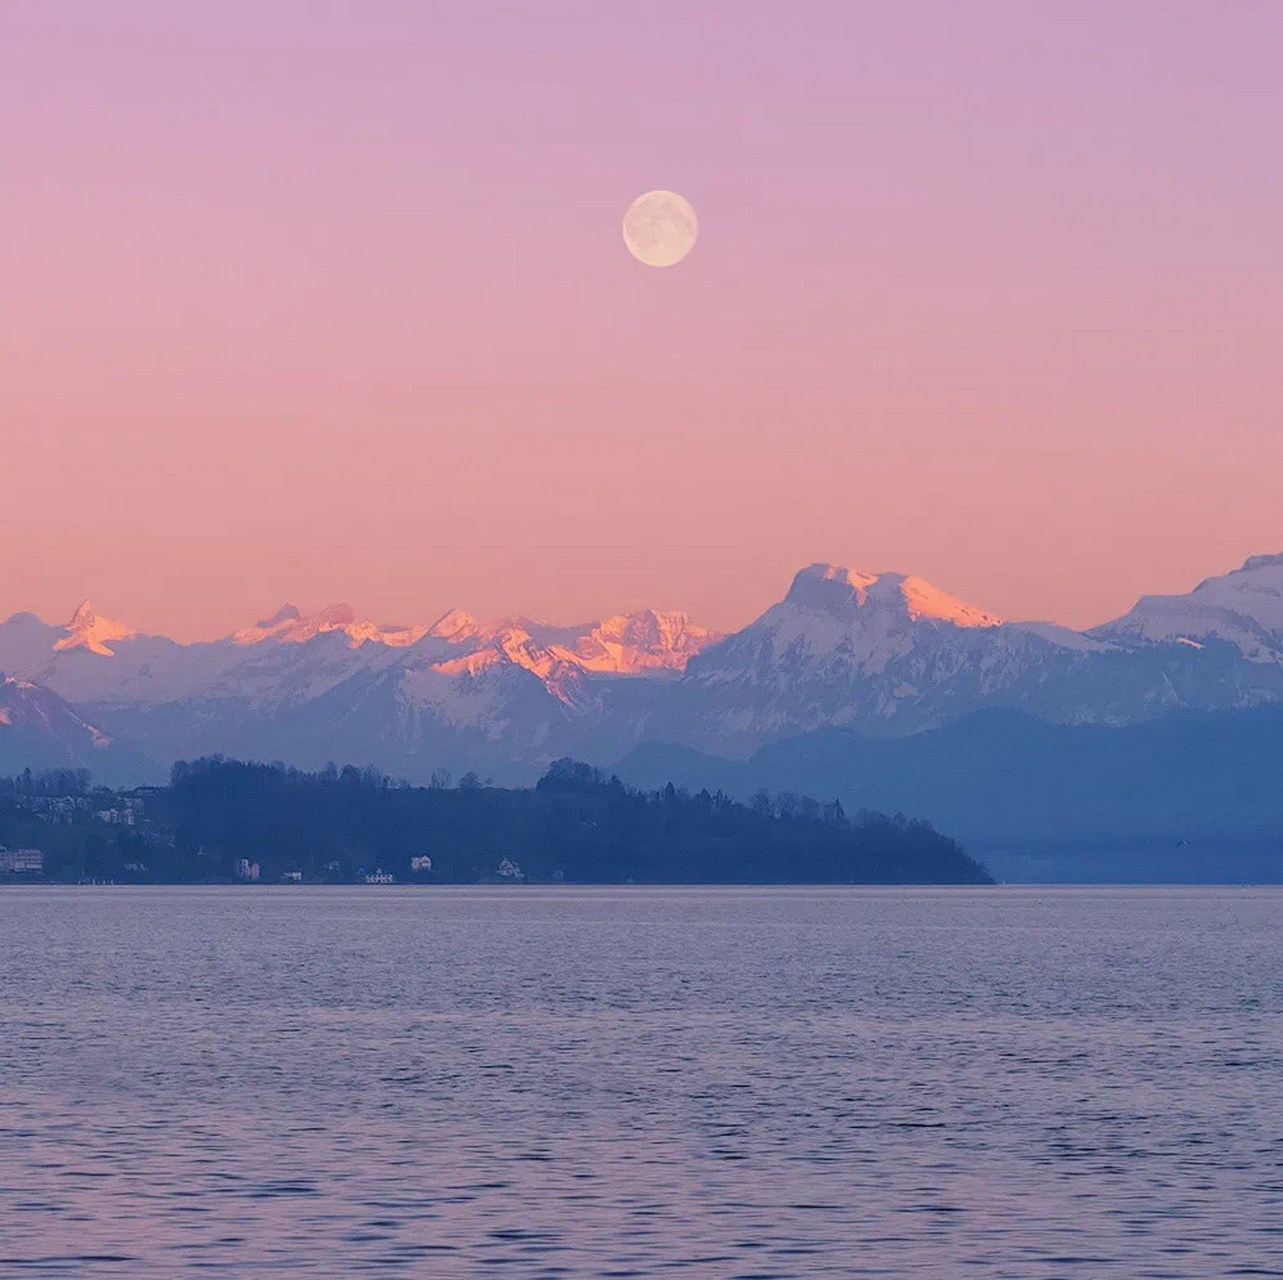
(119, 822)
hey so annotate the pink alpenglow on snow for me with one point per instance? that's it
(627, 644)
(87, 630)
(289, 626)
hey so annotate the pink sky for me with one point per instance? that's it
(321, 301)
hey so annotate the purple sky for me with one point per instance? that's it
(329, 301)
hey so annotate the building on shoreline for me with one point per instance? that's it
(30, 862)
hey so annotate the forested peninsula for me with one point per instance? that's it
(223, 821)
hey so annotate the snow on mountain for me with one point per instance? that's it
(93, 658)
(1243, 608)
(26, 705)
(459, 627)
(886, 653)
(632, 643)
(890, 654)
(27, 643)
(38, 730)
(855, 620)
(841, 592)
(1063, 637)
(87, 630)
(486, 692)
(274, 628)
(289, 626)
(297, 683)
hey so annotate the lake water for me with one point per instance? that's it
(706, 1083)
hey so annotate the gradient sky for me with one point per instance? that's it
(321, 301)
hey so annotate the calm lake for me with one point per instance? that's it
(600, 1082)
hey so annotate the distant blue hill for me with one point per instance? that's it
(1191, 797)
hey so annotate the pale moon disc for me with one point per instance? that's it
(660, 228)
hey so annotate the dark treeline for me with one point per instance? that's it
(575, 826)
(49, 782)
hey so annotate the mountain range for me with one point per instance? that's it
(881, 655)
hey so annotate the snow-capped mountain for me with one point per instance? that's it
(1243, 608)
(289, 626)
(87, 630)
(890, 654)
(38, 730)
(329, 685)
(886, 653)
(626, 644)
(632, 643)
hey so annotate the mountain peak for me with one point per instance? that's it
(86, 630)
(829, 586)
(286, 613)
(630, 643)
(25, 706)
(1243, 607)
(638, 643)
(1262, 562)
(458, 626)
(835, 589)
(289, 626)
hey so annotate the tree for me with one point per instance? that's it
(567, 774)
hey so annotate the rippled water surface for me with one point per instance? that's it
(751, 1083)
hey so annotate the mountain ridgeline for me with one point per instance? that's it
(883, 654)
(877, 688)
(219, 820)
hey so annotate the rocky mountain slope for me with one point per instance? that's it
(38, 729)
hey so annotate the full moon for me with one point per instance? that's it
(660, 228)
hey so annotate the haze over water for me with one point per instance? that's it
(750, 1083)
